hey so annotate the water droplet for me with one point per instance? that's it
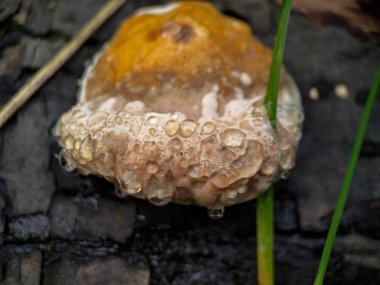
(249, 163)
(171, 128)
(257, 122)
(173, 115)
(215, 213)
(132, 182)
(124, 115)
(157, 201)
(233, 137)
(208, 128)
(118, 120)
(245, 79)
(176, 144)
(102, 163)
(159, 196)
(187, 128)
(231, 194)
(151, 167)
(258, 112)
(86, 149)
(195, 139)
(153, 132)
(152, 120)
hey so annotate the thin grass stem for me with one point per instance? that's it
(264, 224)
(265, 203)
(270, 99)
(347, 180)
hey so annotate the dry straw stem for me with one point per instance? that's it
(41, 76)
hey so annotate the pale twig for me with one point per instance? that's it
(42, 75)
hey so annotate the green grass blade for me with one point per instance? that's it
(264, 225)
(265, 203)
(270, 99)
(347, 180)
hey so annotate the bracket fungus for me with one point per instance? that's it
(171, 109)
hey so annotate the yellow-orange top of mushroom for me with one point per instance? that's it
(188, 44)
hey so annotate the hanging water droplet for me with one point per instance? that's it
(158, 201)
(159, 196)
(215, 213)
(133, 189)
(132, 181)
(151, 167)
(232, 194)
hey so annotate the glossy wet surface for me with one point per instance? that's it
(60, 228)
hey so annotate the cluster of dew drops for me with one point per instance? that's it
(212, 213)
